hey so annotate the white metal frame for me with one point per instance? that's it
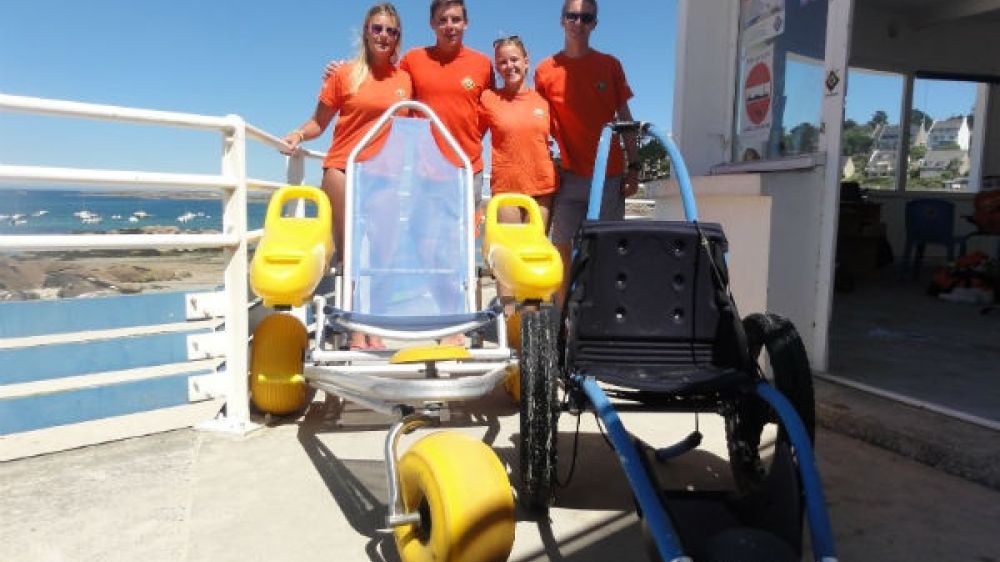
(235, 239)
(344, 297)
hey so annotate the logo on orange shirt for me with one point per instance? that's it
(538, 112)
(468, 83)
(400, 93)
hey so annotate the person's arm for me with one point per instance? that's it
(630, 185)
(311, 129)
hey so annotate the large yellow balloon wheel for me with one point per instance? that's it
(461, 490)
(276, 382)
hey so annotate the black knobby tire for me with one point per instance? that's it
(746, 416)
(792, 375)
(539, 408)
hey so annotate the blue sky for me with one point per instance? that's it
(260, 60)
(869, 92)
(263, 61)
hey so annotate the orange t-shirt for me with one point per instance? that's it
(451, 87)
(519, 131)
(358, 111)
(584, 93)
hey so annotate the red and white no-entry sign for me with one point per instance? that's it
(757, 93)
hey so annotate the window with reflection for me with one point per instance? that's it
(942, 157)
(870, 140)
(780, 78)
(939, 152)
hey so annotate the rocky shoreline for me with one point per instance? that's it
(53, 275)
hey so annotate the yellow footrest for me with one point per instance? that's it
(423, 354)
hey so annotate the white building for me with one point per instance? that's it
(950, 132)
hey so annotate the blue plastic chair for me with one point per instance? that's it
(928, 221)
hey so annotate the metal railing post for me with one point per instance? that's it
(234, 222)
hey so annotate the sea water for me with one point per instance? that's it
(61, 211)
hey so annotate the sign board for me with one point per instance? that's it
(758, 93)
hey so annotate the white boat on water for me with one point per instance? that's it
(40, 213)
(92, 219)
(84, 214)
(133, 218)
(140, 214)
(186, 217)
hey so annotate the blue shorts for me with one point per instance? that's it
(571, 201)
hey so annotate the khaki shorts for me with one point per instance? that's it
(571, 201)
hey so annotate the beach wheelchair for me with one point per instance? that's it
(649, 324)
(409, 275)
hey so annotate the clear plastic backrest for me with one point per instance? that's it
(408, 246)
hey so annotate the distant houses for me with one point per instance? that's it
(939, 150)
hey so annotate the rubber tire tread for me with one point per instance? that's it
(746, 417)
(539, 408)
(789, 362)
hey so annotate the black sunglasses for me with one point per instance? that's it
(583, 17)
(377, 29)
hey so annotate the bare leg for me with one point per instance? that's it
(382, 203)
(333, 185)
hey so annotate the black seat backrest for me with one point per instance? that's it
(646, 305)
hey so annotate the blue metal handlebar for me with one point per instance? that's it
(601, 167)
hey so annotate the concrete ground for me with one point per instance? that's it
(313, 489)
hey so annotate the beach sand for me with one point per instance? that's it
(50, 275)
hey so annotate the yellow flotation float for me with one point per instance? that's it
(520, 254)
(295, 252)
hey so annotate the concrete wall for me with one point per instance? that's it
(793, 279)
(704, 84)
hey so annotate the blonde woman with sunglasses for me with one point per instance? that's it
(357, 94)
(586, 89)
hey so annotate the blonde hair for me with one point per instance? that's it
(511, 40)
(363, 60)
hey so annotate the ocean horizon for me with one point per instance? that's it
(74, 211)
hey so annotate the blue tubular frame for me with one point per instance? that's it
(820, 532)
(601, 167)
(662, 530)
(664, 535)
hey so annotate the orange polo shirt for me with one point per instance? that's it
(451, 87)
(359, 110)
(584, 94)
(519, 128)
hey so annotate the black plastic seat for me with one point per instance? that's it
(649, 308)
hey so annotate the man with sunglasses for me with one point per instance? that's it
(585, 89)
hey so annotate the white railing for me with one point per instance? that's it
(232, 182)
